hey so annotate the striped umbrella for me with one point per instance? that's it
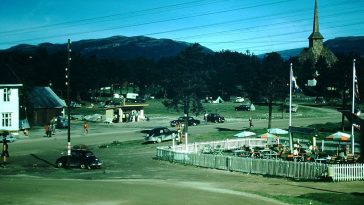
(268, 136)
(339, 136)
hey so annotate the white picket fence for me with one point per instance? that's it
(192, 154)
(346, 172)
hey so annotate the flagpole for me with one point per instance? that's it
(290, 108)
(353, 108)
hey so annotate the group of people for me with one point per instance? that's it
(50, 128)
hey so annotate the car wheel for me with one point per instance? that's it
(59, 164)
(194, 124)
(159, 140)
(83, 166)
(89, 167)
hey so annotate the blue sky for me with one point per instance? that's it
(259, 26)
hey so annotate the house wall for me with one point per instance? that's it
(44, 116)
(12, 107)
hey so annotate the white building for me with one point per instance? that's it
(9, 99)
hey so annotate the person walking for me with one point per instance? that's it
(85, 128)
(250, 122)
(5, 152)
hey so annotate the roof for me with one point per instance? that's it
(8, 77)
(44, 97)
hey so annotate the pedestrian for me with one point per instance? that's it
(5, 152)
(48, 131)
(250, 122)
(85, 128)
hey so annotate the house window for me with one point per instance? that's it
(6, 95)
(6, 119)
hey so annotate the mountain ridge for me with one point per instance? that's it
(116, 47)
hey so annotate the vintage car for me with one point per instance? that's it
(79, 158)
(214, 117)
(181, 120)
(159, 134)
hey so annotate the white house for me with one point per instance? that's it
(9, 99)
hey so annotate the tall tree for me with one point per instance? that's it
(271, 81)
(185, 83)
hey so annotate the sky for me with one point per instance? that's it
(259, 26)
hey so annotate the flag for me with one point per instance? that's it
(295, 88)
(356, 87)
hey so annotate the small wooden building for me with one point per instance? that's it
(43, 104)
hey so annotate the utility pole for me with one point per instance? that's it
(290, 108)
(68, 100)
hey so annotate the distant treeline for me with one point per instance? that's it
(192, 72)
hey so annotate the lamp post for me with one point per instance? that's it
(68, 100)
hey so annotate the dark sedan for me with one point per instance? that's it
(79, 159)
(214, 117)
(181, 120)
(243, 107)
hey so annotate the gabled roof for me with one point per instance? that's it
(44, 97)
(8, 77)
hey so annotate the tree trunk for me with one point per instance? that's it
(270, 108)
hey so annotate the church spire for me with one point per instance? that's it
(315, 39)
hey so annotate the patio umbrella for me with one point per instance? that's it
(277, 131)
(244, 134)
(339, 136)
(268, 136)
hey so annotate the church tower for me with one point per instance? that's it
(316, 47)
(316, 39)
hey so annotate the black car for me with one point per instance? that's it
(243, 107)
(79, 158)
(62, 122)
(214, 117)
(159, 134)
(181, 120)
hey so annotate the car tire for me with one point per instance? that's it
(194, 124)
(159, 140)
(83, 166)
(60, 164)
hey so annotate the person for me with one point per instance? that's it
(85, 128)
(48, 130)
(250, 122)
(5, 152)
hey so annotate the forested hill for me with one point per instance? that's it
(116, 47)
(342, 45)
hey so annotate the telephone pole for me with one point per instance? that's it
(68, 100)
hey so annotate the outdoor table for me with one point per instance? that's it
(240, 152)
(271, 155)
(321, 160)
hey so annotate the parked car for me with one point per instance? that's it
(9, 137)
(191, 121)
(214, 117)
(62, 122)
(239, 99)
(159, 134)
(243, 107)
(79, 158)
(294, 107)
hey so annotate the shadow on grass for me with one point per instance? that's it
(335, 197)
(43, 160)
(222, 129)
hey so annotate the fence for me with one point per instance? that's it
(346, 172)
(290, 169)
(192, 155)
